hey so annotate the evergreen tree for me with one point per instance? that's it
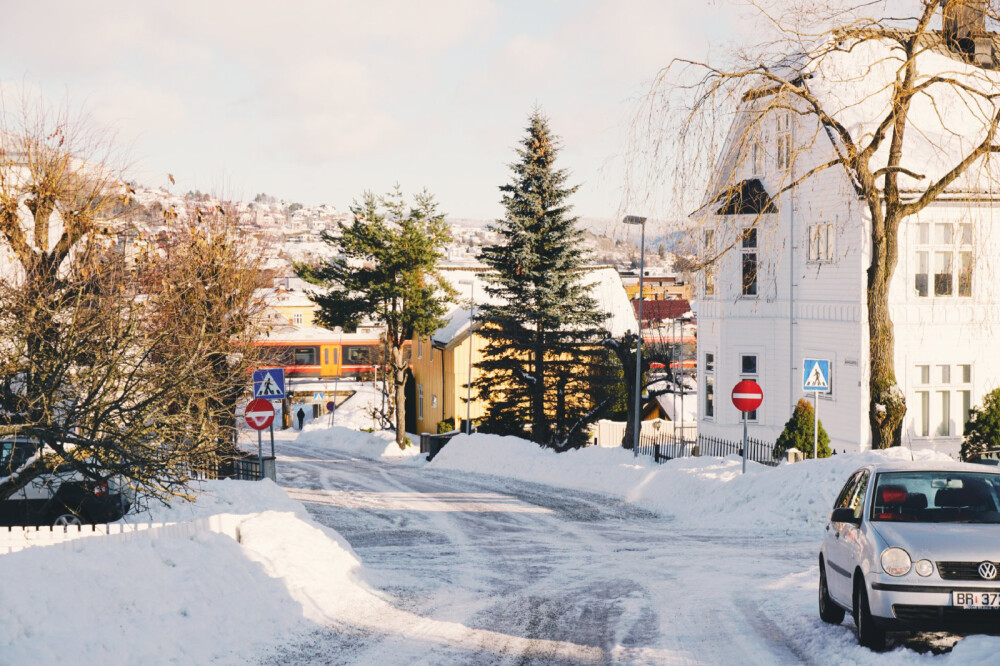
(982, 432)
(798, 433)
(386, 271)
(542, 330)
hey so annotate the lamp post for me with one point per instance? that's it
(641, 221)
(468, 400)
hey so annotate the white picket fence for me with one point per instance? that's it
(610, 433)
(13, 539)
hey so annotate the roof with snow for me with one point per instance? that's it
(605, 287)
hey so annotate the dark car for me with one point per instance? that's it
(61, 497)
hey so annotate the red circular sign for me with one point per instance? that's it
(747, 395)
(259, 414)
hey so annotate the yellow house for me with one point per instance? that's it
(441, 362)
(288, 299)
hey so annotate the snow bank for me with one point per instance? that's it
(696, 491)
(378, 445)
(199, 600)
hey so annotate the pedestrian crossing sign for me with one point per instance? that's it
(816, 375)
(269, 383)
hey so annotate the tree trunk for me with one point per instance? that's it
(399, 383)
(887, 404)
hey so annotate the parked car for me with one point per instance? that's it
(913, 547)
(62, 497)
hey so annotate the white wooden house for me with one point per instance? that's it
(790, 282)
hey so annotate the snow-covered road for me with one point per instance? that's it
(479, 570)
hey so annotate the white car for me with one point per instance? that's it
(61, 497)
(914, 547)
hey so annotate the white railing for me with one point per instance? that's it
(610, 433)
(13, 539)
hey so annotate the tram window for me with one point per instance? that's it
(357, 354)
(305, 356)
(326, 356)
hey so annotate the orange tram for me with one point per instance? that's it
(317, 353)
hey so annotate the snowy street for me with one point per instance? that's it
(490, 571)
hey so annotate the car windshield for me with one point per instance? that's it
(936, 497)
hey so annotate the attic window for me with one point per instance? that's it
(748, 197)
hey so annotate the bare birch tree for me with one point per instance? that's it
(905, 107)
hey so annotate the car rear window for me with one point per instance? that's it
(936, 497)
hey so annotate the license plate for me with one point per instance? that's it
(976, 599)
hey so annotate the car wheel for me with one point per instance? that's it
(869, 635)
(829, 611)
(66, 519)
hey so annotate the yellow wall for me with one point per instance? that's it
(306, 311)
(655, 292)
(443, 374)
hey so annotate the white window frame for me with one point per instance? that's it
(749, 251)
(296, 318)
(937, 384)
(822, 243)
(957, 252)
(711, 358)
(752, 417)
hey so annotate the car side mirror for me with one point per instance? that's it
(844, 515)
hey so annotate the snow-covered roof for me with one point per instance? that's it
(944, 123)
(853, 80)
(605, 288)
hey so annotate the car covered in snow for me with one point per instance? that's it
(60, 497)
(913, 547)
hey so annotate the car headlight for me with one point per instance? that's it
(924, 567)
(896, 561)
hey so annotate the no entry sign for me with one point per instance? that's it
(259, 414)
(747, 395)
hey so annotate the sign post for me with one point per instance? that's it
(816, 378)
(259, 415)
(747, 396)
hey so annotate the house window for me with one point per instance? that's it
(710, 268)
(757, 158)
(943, 263)
(709, 386)
(749, 262)
(748, 370)
(297, 319)
(434, 401)
(784, 141)
(821, 243)
(420, 401)
(944, 391)
(420, 347)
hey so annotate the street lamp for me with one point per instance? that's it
(468, 400)
(641, 221)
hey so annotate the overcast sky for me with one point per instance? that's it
(316, 102)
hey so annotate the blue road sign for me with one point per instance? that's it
(815, 374)
(269, 383)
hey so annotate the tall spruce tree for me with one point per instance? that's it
(386, 271)
(543, 331)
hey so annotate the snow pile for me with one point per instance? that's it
(378, 445)
(696, 491)
(205, 599)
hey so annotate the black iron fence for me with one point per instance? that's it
(241, 468)
(668, 447)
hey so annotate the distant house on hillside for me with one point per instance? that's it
(792, 284)
(441, 362)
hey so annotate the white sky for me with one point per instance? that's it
(318, 101)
